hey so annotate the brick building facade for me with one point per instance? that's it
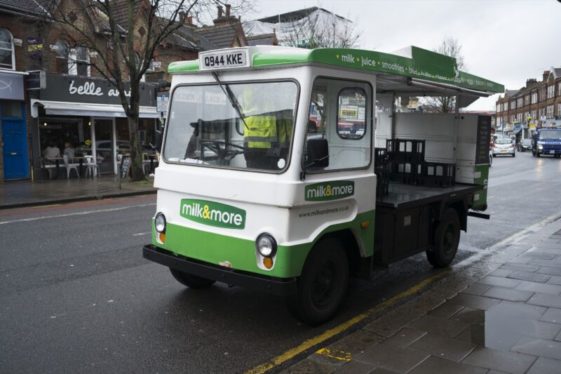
(536, 104)
(77, 105)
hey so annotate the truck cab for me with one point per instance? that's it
(547, 141)
(289, 170)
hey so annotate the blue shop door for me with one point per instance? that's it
(16, 159)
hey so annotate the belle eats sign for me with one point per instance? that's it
(91, 90)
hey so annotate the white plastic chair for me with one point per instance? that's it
(69, 167)
(91, 167)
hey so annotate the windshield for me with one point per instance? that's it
(236, 125)
(550, 134)
(503, 141)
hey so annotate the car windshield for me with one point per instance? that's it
(232, 125)
(503, 141)
(550, 134)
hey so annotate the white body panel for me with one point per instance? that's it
(275, 203)
(449, 138)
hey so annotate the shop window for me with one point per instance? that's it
(79, 62)
(10, 109)
(7, 57)
(550, 91)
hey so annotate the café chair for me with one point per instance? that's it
(69, 167)
(91, 167)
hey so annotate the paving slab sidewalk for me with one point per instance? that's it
(27, 193)
(500, 314)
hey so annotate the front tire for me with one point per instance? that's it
(445, 241)
(323, 284)
(192, 281)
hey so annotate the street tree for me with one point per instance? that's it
(449, 47)
(318, 29)
(124, 35)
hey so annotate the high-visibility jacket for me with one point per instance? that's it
(264, 131)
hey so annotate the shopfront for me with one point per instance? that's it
(86, 114)
(14, 151)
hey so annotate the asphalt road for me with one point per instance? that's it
(76, 295)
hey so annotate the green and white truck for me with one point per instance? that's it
(289, 170)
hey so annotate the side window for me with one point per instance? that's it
(339, 126)
(7, 58)
(351, 113)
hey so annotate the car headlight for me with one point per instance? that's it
(160, 222)
(266, 245)
(540, 146)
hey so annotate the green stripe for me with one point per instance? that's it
(241, 253)
(483, 180)
(424, 64)
(183, 67)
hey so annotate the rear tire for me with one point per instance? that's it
(446, 240)
(323, 284)
(192, 281)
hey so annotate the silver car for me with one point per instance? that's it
(503, 147)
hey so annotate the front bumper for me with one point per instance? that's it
(550, 151)
(276, 286)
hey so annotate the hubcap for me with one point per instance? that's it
(323, 285)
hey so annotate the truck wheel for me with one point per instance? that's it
(323, 283)
(446, 240)
(192, 281)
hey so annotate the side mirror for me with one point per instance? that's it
(317, 152)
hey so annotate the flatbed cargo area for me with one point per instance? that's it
(408, 215)
(405, 196)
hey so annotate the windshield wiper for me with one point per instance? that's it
(231, 97)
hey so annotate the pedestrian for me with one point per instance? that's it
(68, 150)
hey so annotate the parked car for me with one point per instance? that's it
(503, 146)
(525, 145)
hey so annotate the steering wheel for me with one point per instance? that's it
(223, 149)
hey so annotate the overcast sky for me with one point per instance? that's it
(507, 41)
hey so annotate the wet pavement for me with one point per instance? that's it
(28, 193)
(499, 314)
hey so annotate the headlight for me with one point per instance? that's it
(160, 222)
(540, 146)
(266, 245)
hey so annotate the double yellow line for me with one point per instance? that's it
(328, 334)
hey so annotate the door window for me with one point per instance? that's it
(340, 119)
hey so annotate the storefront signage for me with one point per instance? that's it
(90, 90)
(11, 86)
(34, 47)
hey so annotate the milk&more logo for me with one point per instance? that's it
(212, 213)
(329, 190)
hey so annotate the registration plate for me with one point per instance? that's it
(552, 152)
(224, 59)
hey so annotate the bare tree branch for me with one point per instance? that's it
(449, 47)
(125, 35)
